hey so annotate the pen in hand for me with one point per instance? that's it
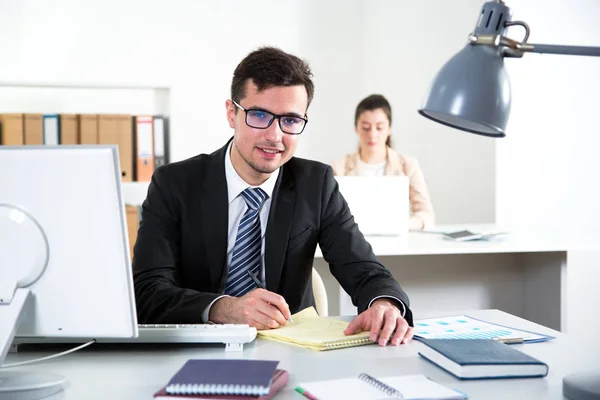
(260, 285)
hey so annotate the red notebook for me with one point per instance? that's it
(280, 379)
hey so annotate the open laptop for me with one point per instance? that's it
(380, 205)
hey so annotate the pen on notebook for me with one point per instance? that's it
(306, 394)
(260, 285)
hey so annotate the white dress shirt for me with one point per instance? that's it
(237, 207)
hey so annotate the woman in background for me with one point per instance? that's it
(375, 157)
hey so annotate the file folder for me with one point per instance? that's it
(116, 129)
(68, 129)
(160, 142)
(11, 129)
(88, 128)
(51, 130)
(33, 129)
(132, 217)
(144, 149)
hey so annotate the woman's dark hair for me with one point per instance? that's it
(268, 67)
(375, 102)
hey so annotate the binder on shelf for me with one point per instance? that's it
(144, 149)
(11, 129)
(133, 220)
(51, 129)
(33, 129)
(160, 142)
(125, 137)
(167, 142)
(116, 129)
(68, 129)
(88, 128)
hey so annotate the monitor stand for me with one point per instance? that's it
(20, 385)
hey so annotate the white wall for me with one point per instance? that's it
(190, 46)
(333, 36)
(406, 44)
(548, 166)
(544, 173)
(356, 47)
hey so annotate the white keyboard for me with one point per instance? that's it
(232, 335)
(199, 333)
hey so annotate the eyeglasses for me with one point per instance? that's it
(261, 119)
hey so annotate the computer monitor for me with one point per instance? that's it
(64, 257)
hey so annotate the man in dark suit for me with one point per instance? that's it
(217, 227)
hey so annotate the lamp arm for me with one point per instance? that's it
(514, 48)
(559, 49)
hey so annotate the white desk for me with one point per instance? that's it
(541, 276)
(137, 372)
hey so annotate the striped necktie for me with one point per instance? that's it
(248, 244)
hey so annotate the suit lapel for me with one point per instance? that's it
(278, 228)
(215, 218)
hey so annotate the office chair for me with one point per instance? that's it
(320, 294)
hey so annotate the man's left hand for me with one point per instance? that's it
(383, 318)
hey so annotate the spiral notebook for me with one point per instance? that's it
(278, 382)
(224, 377)
(367, 387)
(311, 331)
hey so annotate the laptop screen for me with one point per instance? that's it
(380, 205)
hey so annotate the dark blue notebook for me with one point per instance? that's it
(481, 359)
(224, 377)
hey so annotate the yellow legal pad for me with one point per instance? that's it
(311, 331)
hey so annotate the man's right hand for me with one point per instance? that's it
(259, 308)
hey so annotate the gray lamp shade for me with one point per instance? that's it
(471, 92)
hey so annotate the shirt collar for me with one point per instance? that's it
(235, 183)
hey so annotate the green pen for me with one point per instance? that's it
(306, 394)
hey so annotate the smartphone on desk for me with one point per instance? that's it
(466, 235)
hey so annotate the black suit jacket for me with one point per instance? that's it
(180, 256)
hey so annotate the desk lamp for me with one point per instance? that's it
(472, 93)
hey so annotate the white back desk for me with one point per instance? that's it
(544, 277)
(132, 372)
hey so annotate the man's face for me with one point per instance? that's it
(257, 153)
